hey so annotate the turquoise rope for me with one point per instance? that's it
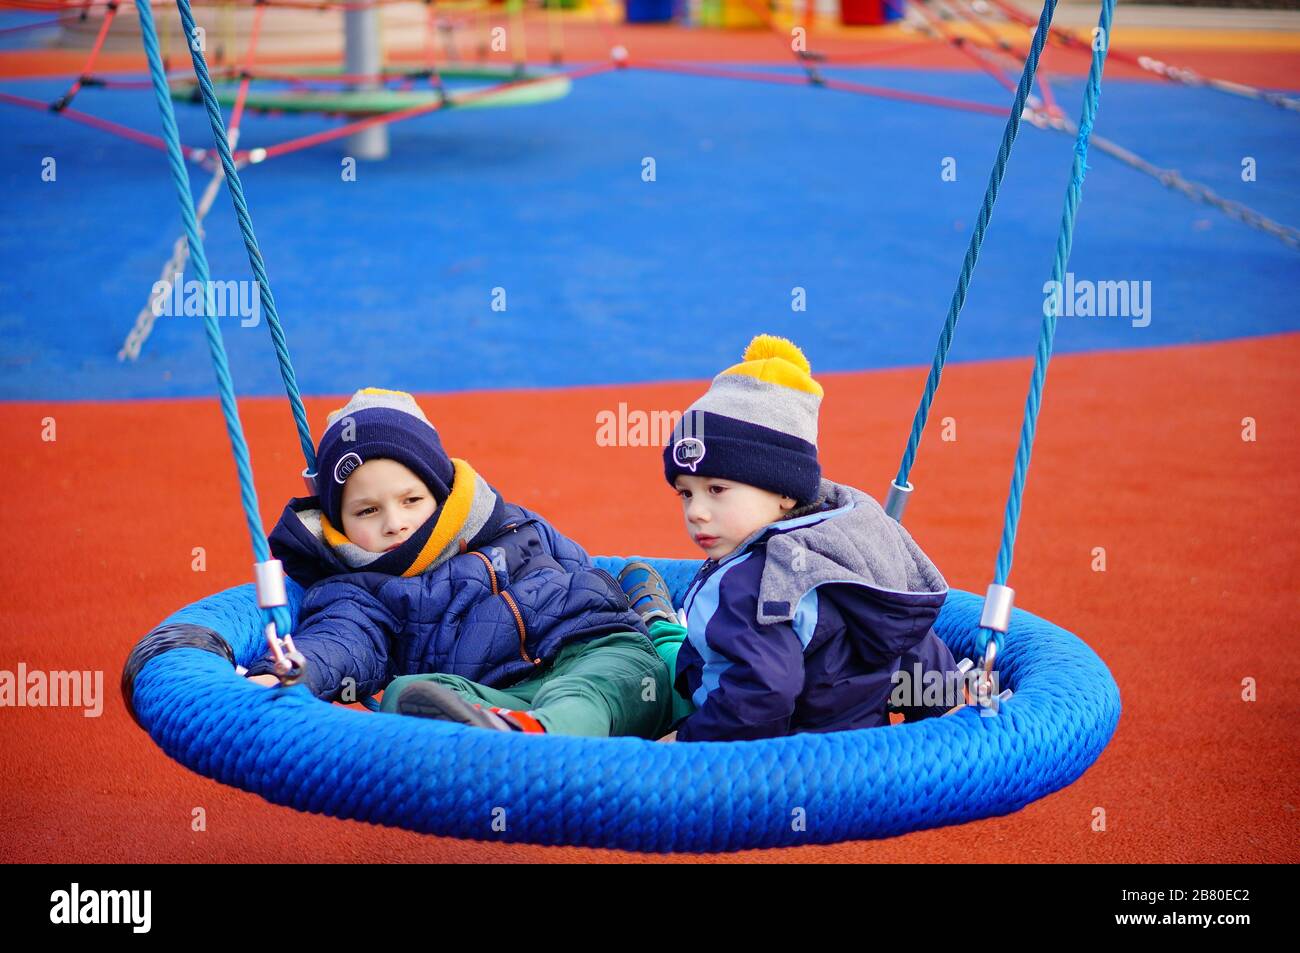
(976, 240)
(1042, 357)
(225, 386)
(236, 190)
(1047, 333)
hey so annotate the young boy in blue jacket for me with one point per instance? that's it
(421, 578)
(811, 598)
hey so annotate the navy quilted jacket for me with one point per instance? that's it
(804, 626)
(495, 612)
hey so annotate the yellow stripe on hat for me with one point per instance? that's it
(415, 408)
(366, 390)
(777, 360)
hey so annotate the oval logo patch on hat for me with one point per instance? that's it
(343, 469)
(688, 452)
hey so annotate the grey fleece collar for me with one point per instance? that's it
(853, 542)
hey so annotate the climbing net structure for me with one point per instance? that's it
(476, 54)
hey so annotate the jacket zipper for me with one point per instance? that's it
(523, 635)
(514, 608)
(698, 584)
(492, 573)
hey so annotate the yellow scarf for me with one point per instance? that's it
(451, 523)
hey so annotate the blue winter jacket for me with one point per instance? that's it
(803, 626)
(491, 592)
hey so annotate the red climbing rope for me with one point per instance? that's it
(994, 45)
(62, 102)
(31, 26)
(1174, 74)
(107, 125)
(247, 72)
(847, 86)
(254, 33)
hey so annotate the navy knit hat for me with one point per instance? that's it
(377, 424)
(756, 424)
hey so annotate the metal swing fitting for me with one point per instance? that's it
(990, 704)
(290, 665)
(269, 577)
(998, 603)
(309, 480)
(896, 500)
(964, 666)
(984, 684)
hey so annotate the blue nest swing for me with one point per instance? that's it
(181, 686)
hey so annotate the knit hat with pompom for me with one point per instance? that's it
(378, 423)
(756, 424)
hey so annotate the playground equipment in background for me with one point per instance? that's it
(988, 42)
(755, 14)
(869, 12)
(302, 90)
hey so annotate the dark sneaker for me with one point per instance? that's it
(431, 700)
(647, 592)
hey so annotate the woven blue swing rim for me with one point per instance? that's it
(630, 793)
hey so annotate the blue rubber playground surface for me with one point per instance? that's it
(759, 189)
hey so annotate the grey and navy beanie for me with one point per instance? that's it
(756, 424)
(375, 424)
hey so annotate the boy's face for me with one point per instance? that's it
(720, 514)
(383, 504)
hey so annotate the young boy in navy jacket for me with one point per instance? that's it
(421, 578)
(811, 598)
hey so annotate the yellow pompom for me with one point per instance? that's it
(769, 345)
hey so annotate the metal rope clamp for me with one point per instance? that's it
(896, 500)
(290, 665)
(998, 602)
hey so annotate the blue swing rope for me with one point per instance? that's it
(225, 386)
(1012, 516)
(976, 240)
(237, 198)
(1047, 331)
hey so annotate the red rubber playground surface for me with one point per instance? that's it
(1138, 451)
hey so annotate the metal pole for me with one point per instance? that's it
(361, 56)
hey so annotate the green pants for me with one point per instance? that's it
(614, 685)
(667, 637)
